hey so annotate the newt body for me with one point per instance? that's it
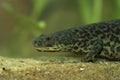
(94, 40)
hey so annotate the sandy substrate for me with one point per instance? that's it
(30, 69)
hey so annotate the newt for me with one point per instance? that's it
(96, 40)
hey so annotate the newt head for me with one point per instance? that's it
(50, 43)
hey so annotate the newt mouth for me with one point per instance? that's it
(47, 49)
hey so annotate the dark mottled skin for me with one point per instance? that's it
(94, 40)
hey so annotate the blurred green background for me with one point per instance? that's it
(22, 20)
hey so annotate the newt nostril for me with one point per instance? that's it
(34, 42)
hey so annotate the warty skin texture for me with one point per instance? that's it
(94, 40)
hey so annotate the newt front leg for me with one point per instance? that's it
(95, 50)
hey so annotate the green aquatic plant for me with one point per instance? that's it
(25, 26)
(91, 12)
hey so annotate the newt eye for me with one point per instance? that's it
(47, 38)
